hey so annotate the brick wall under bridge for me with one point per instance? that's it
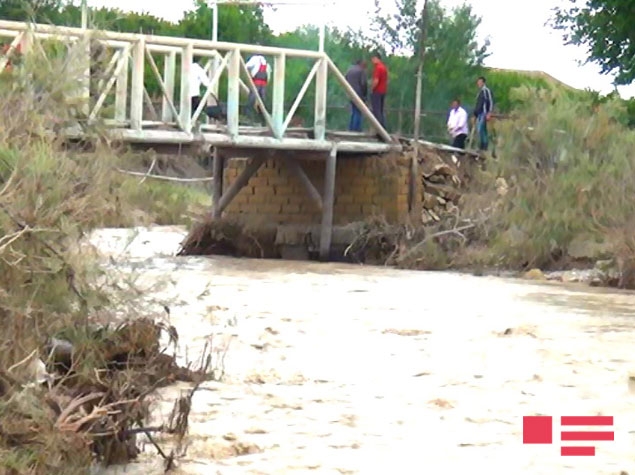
(365, 186)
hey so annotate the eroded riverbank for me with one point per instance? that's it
(346, 369)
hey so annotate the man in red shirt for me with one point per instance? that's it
(379, 88)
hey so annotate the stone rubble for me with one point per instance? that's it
(444, 175)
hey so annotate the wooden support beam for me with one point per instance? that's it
(233, 92)
(109, 84)
(137, 92)
(252, 167)
(297, 169)
(169, 76)
(277, 109)
(218, 183)
(40, 28)
(186, 101)
(326, 232)
(300, 96)
(321, 84)
(121, 91)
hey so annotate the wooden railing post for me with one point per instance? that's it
(321, 84)
(121, 94)
(169, 73)
(277, 110)
(136, 93)
(186, 101)
(233, 92)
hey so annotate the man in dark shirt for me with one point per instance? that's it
(379, 89)
(483, 111)
(356, 77)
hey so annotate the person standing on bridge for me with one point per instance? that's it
(198, 76)
(457, 124)
(356, 77)
(379, 88)
(483, 112)
(259, 71)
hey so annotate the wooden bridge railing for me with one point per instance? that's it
(131, 53)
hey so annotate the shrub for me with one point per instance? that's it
(49, 199)
(570, 168)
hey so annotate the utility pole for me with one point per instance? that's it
(84, 14)
(422, 54)
(322, 28)
(414, 163)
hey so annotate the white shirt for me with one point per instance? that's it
(254, 63)
(198, 76)
(457, 122)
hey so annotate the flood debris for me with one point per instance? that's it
(231, 237)
(90, 396)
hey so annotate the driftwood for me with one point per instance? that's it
(99, 389)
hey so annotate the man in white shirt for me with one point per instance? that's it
(457, 124)
(259, 71)
(198, 77)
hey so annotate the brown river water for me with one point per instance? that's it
(342, 369)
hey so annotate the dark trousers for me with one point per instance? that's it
(481, 125)
(459, 141)
(377, 103)
(355, 124)
(196, 100)
(251, 101)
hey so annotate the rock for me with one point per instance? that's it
(429, 201)
(501, 186)
(586, 247)
(606, 265)
(535, 274)
(444, 191)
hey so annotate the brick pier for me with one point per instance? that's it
(365, 186)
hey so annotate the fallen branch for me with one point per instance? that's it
(154, 162)
(166, 178)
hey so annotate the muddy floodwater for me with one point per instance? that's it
(341, 369)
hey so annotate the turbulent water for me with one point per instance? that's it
(350, 369)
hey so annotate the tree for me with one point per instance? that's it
(605, 27)
(236, 23)
(453, 56)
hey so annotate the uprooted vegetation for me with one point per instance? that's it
(78, 363)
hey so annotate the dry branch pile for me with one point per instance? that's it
(88, 400)
(228, 237)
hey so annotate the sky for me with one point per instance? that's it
(516, 30)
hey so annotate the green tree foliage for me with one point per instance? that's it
(453, 56)
(605, 27)
(236, 23)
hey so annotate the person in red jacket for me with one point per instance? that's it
(379, 88)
